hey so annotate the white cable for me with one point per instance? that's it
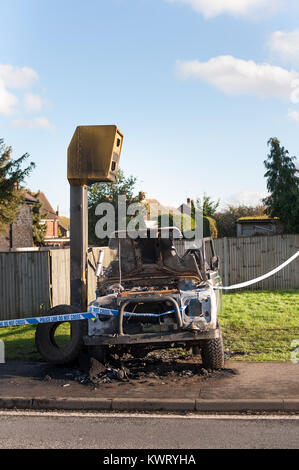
(261, 278)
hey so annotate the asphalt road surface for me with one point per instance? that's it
(30, 430)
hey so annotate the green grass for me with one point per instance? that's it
(20, 345)
(257, 326)
(260, 326)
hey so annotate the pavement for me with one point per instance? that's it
(241, 386)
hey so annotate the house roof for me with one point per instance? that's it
(160, 207)
(64, 222)
(46, 209)
(258, 219)
(29, 198)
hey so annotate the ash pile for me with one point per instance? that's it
(159, 366)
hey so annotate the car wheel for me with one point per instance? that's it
(46, 338)
(213, 353)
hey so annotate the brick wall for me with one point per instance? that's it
(52, 228)
(21, 231)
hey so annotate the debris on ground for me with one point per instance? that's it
(161, 367)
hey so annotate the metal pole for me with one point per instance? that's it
(79, 246)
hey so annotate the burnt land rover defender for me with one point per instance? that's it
(149, 297)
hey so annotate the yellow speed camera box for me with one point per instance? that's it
(93, 155)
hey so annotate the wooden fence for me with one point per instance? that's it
(245, 258)
(33, 281)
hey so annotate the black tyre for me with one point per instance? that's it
(212, 353)
(48, 346)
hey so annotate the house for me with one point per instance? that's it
(155, 208)
(58, 231)
(259, 225)
(19, 233)
(64, 226)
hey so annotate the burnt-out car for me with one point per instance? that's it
(153, 295)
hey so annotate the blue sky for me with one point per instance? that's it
(196, 86)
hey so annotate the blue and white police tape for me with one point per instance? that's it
(115, 313)
(93, 313)
(48, 319)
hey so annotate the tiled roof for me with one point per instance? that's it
(46, 209)
(29, 198)
(63, 223)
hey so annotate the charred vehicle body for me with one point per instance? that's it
(149, 297)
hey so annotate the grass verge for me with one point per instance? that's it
(260, 325)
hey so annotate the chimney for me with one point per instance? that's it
(57, 212)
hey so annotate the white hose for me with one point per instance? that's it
(261, 278)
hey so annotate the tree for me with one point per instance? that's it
(181, 221)
(226, 220)
(208, 206)
(39, 229)
(283, 186)
(109, 192)
(11, 176)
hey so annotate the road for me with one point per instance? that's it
(32, 430)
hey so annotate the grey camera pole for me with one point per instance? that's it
(79, 246)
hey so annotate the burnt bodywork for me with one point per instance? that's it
(149, 295)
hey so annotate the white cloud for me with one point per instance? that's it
(248, 198)
(236, 77)
(38, 122)
(211, 8)
(8, 101)
(285, 44)
(17, 77)
(21, 79)
(33, 102)
(13, 78)
(293, 115)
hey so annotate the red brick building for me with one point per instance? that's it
(57, 230)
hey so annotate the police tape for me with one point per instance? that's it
(258, 279)
(115, 313)
(93, 314)
(48, 319)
